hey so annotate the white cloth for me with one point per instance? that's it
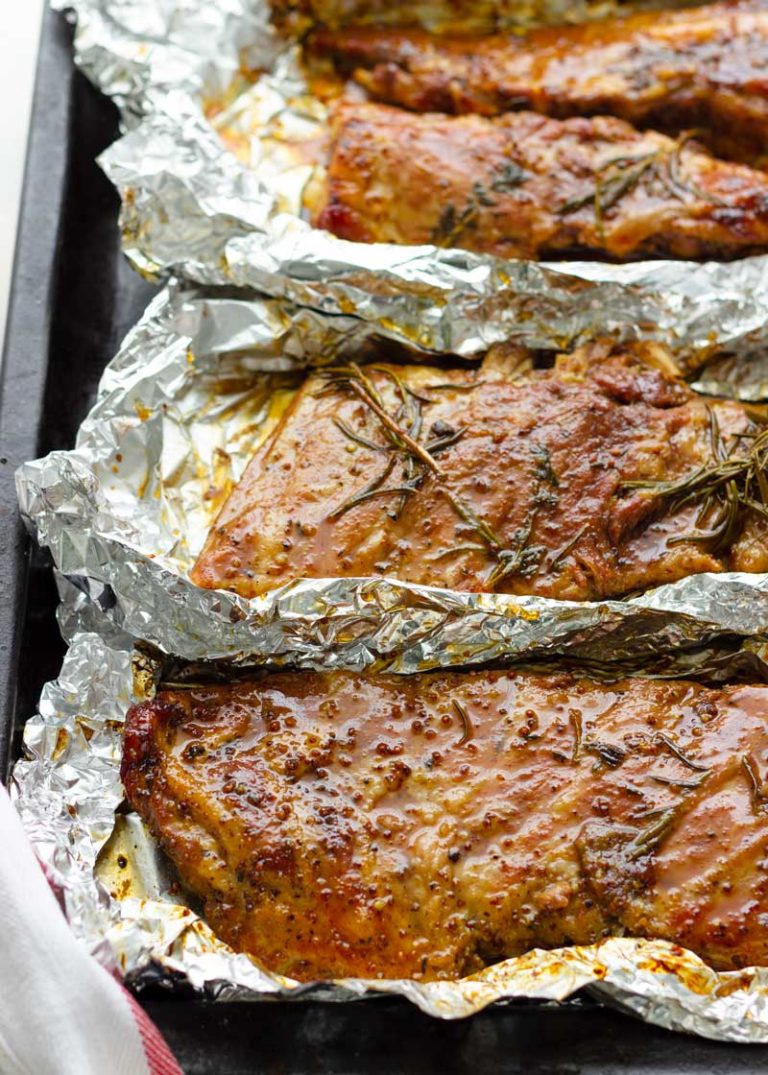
(61, 1013)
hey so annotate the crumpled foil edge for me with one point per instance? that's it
(67, 788)
(176, 420)
(189, 204)
(190, 207)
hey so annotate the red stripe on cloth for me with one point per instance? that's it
(160, 1059)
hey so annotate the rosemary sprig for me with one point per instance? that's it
(543, 470)
(620, 176)
(410, 412)
(509, 176)
(453, 222)
(418, 459)
(356, 381)
(673, 748)
(468, 730)
(615, 179)
(401, 439)
(522, 557)
(723, 488)
(652, 835)
(757, 789)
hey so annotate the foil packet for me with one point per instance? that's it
(194, 207)
(125, 905)
(177, 416)
(179, 413)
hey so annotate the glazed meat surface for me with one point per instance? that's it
(518, 483)
(705, 68)
(441, 16)
(424, 826)
(524, 185)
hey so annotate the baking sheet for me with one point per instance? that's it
(56, 769)
(179, 413)
(124, 903)
(191, 207)
(124, 514)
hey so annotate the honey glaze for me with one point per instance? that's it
(424, 826)
(537, 482)
(702, 68)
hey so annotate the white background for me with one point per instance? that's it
(19, 33)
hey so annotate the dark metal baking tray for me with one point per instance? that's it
(73, 299)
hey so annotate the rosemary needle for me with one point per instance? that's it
(675, 749)
(578, 733)
(404, 442)
(563, 551)
(357, 438)
(759, 801)
(652, 835)
(468, 730)
(723, 488)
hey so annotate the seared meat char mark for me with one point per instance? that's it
(704, 68)
(523, 185)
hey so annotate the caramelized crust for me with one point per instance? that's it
(443, 16)
(705, 68)
(523, 185)
(540, 460)
(423, 826)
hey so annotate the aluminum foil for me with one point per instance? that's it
(192, 206)
(123, 901)
(178, 415)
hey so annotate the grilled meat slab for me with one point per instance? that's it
(424, 826)
(524, 185)
(517, 484)
(705, 68)
(443, 16)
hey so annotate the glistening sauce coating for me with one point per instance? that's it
(423, 826)
(539, 462)
(523, 185)
(439, 15)
(704, 68)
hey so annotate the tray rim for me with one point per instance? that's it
(23, 379)
(24, 371)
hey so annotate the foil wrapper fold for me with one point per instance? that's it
(177, 416)
(179, 413)
(122, 901)
(192, 207)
